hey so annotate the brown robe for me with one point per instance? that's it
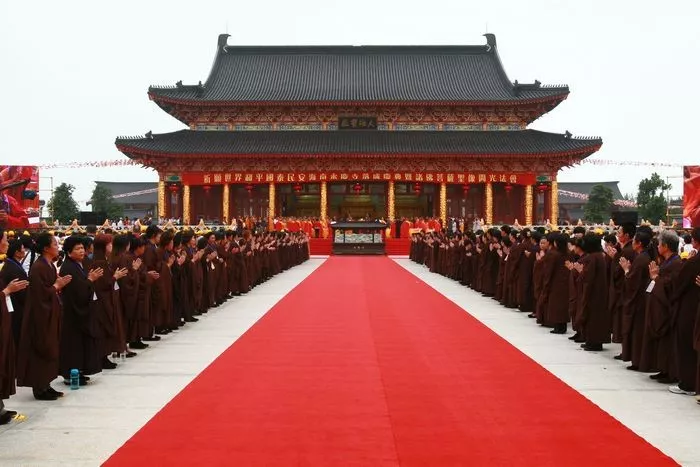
(41, 329)
(526, 266)
(660, 318)
(7, 349)
(686, 296)
(152, 262)
(10, 271)
(537, 290)
(634, 309)
(81, 335)
(164, 316)
(616, 291)
(595, 318)
(139, 326)
(107, 308)
(555, 288)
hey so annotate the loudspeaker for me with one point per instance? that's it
(91, 218)
(624, 217)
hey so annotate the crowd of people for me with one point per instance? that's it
(83, 300)
(635, 286)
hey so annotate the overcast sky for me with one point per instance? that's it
(74, 75)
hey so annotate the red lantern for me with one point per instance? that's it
(297, 188)
(174, 187)
(542, 187)
(508, 188)
(465, 189)
(416, 188)
(357, 188)
(249, 189)
(206, 188)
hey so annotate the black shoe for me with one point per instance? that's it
(658, 376)
(558, 331)
(667, 380)
(45, 396)
(592, 347)
(191, 320)
(107, 364)
(151, 339)
(575, 336)
(130, 354)
(53, 391)
(618, 357)
(532, 315)
(138, 345)
(633, 368)
(7, 416)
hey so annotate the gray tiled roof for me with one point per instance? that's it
(358, 74)
(358, 142)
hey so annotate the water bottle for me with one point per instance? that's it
(122, 357)
(74, 379)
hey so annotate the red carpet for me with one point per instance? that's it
(364, 364)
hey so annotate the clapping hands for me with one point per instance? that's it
(625, 264)
(15, 286)
(95, 274)
(119, 273)
(653, 270)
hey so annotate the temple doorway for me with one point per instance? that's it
(357, 200)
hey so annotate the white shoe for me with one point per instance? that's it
(677, 390)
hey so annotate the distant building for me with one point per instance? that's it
(571, 208)
(142, 199)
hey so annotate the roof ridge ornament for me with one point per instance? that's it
(490, 41)
(149, 135)
(223, 42)
(567, 134)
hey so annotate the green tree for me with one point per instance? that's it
(103, 201)
(651, 200)
(62, 206)
(599, 204)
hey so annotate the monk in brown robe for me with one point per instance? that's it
(634, 298)
(525, 295)
(81, 336)
(540, 305)
(164, 321)
(686, 298)
(127, 286)
(594, 318)
(41, 328)
(555, 284)
(660, 315)
(7, 344)
(511, 270)
(12, 269)
(106, 304)
(572, 262)
(622, 249)
(139, 328)
(153, 264)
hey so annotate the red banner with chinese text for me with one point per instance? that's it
(220, 178)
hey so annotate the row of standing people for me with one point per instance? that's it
(630, 287)
(91, 299)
